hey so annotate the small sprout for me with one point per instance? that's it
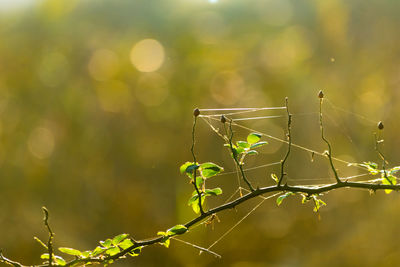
(380, 125)
(196, 112)
(320, 94)
(223, 119)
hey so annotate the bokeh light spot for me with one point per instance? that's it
(147, 55)
(41, 142)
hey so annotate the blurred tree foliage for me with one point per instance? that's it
(96, 100)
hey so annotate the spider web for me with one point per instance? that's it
(242, 120)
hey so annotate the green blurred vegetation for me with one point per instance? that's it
(96, 101)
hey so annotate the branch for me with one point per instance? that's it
(196, 113)
(329, 154)
(289, 142)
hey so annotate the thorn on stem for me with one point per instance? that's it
(380, 125)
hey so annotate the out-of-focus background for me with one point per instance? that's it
(96, 101)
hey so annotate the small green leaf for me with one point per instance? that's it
(116, 240)
(166, 243)
(44, 256)
(126, 243)
(177, 230)
(136, 252)
(394, 170)
(282, 197)
(184, 166)
(70, 251)
(389, 180)
(210, 169)
(106, 243)
(199, 181)
(59, 260)
(372, 167)
(258, 144)
(252, 152)
(274, 177)
(194, 202)
(213, 192)
(243, 144)
(98, 250)
(253, 138)
(318, 203)
(113, 251)
(86, 253)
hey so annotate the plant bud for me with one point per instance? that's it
(380, 125)
(223, 119)
(321, 94)
(196, 112)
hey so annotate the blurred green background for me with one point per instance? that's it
(96, 101)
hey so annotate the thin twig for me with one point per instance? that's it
(51, 235)
(195, 162)
(234, 155)
(329, 154)
(289, 142)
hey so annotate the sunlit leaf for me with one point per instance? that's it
(252, 152)
(126, 243)
(116, 240)
(44, 256)
(243, 144)
(253, 138)
(258, 144)
(59, 260)
(372, 167)
(106, 243)
(282, 197)
(389, 180)
(136, 252)
(177, 230)
(274, 177)
(113, 251)
(213, 192)
(70, 251)
(98, 250)
(210, 169)
(394, 170)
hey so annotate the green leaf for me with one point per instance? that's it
(210, 169)
(116, 240)
(372, 167)
(98, 250)
(44, 256)
(394, 170)
(253, 138)
(177, 230)
(258, 144)
(113, 251)
(318, 203)
(252, 152)
(59, 260)
(184, 166)
(243, 144)
(282, 197)
(389, 180)
(70, 251)
(106, 243)
(194, 202)
(199, 181)
(274, 177)
(165, 240)
(136, 252)
(86, 253)
(166, 243)
(213, 192)
(126, 243)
